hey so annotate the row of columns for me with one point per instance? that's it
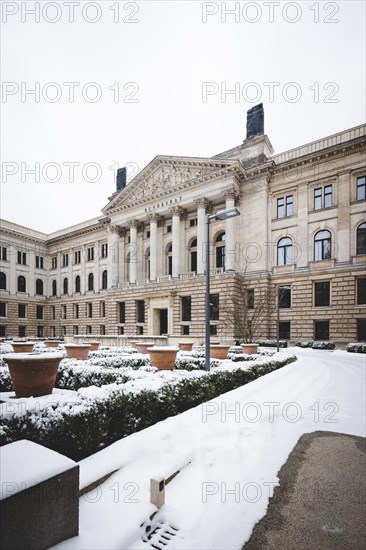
(177, 212)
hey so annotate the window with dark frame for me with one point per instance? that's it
(323, 197)
(3, 253)
(322, 246)
(361, 330)
(2, 280)
(2, 309)
(104, 279)
(122, 312)
(361, 188)
(284, 251)
(63, 312)
(193, 253)
(22, 311)
(361, 291)
(214, 307)
(54, 262)
(77, 257)
(65, 260)
(90, 253)
(39, 262)
(220, 250)
(77, 283)
(322, 293)
(2, 330)
(76, 311)
(285, 330)
(54, 288)
(285, 206)
(102, 309)
(90, 309)
(39, 287)
(361, 239)
(284, 295)
(185, 330)
(21, 331)
(186, 303)
(22, 285)
(140, 311)
(39, 312)
(66, 285)
(321, 330)
(104, 250)
(22, 258)
(90, 281)
(250, 298)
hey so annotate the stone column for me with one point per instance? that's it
(83, 282)
(230, 196)
(133, 224)
(154, 218)
(201, 244)
(13, 269)
(342, 247)
(31, 281)
(58, 276)
(176, 212)
(113, 255)
(70, 272)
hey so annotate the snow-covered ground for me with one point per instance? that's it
(229, 452)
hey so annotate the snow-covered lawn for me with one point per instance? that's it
(229, 452)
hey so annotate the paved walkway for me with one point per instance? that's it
(321, 500)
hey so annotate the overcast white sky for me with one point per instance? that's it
(158, 56)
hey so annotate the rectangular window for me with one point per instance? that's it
(22, 312)
(104, 250)
(75, 329)
(361, 330)
(77, 257)
(3, 253)
(54, 262)
(122, 312)
(21, 331)
(323, 197)
(214, 307)
(65, 260)
(168, 228)
(2, 309)
(88, 329)
(186, 308)
(90, 310)
(192, 222)
(121, 330)
(39, 312)
(39, 262)
(22, 258)
(53, 312)
(90, 254)
(213, 330)
(250, 298)
(102, 329)
(284, 332)
(361, 291)
(76, 311)
(284, 296)
(322, 294)
(285, 206)
(185, 330)
(63, 312)
(321, 330)
(361, 188)
(40, 331)
(140, 311)
(102, 309)
(140, 330)
(2, 330)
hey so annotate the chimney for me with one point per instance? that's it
(121, 180)
(255, 122)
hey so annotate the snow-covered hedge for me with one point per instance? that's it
(78, 424)
(315, 345)
(271, 343)
(189, 362)
(356, 347)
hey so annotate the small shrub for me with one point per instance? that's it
(356, 347)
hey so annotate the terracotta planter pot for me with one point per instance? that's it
(163, 357)
(142, 346)
(77, 351)
(186, 346)
(33, 375)
(219, 351)
(22, 347)
(93, 345)
(51, 344)
(250, 349)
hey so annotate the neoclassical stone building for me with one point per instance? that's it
(139, 268)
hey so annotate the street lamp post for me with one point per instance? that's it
(221, 215)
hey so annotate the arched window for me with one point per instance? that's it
(360, 238)
(39, 287)
(22, 285)
(193, 255)
(147, 264)
(54, 288)
(220, 250)
(90, 281)
(66, 286)
(104, 279)
(77, 283)
(322, 245)
(169, 259)
(284, 251)
(2, 280)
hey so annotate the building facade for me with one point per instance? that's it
(139, 268)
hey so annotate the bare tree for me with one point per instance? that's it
(247, 308)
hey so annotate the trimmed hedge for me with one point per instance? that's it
(271, 343)
(356, 347)
(79, 429)
(315, 345)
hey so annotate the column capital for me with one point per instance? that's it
(136, 224)
(116, 230)
(178, 211)
(154, 217)
(202, 203)
(231, 193)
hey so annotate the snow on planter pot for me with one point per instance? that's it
(33, 374)
(22, 347)
(52, 343)
(219, 351)
(77, 351)
(142, 346)
(94, 345)
(186, 346)
(163, 357)
(250, 349)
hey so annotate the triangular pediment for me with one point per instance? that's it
(163, 176)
